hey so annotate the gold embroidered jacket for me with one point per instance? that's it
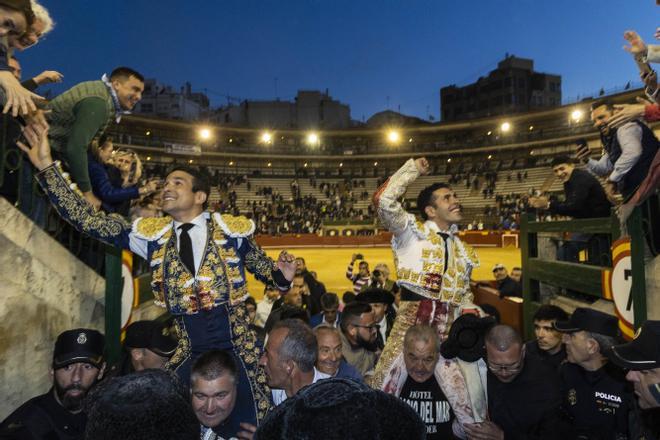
(230, 250)
(419, 252)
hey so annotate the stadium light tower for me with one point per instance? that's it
(204, 133)
(505, 127)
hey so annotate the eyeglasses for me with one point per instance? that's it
(370, 327)
(505, 368)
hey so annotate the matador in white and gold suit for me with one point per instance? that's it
(433, 270)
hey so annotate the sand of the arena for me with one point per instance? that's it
(330, 264)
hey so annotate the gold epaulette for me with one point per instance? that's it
(152, 228)
(234, 226)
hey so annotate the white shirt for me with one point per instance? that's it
(264, 308)
(383, 327)
(198, 236)
(280, 396)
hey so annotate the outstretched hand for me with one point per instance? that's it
(637, 45)
(627, 112)
(286, 263)
(37, 147)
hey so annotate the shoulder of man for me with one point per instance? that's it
(152, 228)
(27, 418)
(234, 226)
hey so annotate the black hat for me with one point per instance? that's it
(78, 345)
(375, 295)
(152, 335)
(341, 409)
(642, 353)
(147, 405)
(590, 320)
(466, 338)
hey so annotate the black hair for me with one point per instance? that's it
(351, 314)
(124, 73)
(329, 300)
(549, 312)
(600, 102)
(560, 159)
(200, 180)
(213, 364)
(250, 300)
(426, 198)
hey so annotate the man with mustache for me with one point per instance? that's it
(433, 271)
(77, 365)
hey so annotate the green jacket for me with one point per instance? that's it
(77, 116)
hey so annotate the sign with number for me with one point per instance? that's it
(618, 285)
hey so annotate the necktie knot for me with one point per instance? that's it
(186, 227)
(444, 235)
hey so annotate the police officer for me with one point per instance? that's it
(642, 358)
(595, 393)
(77, 365)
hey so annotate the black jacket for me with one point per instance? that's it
(585, 197)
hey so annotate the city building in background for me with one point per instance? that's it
(513, 87)
(163, 101)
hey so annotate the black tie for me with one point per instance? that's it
(445, 237)
(185, 247)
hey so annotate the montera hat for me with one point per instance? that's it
(375, 295)
(466, 338)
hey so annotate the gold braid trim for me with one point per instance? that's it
(405, 318)
(182, 351)
(245, 345)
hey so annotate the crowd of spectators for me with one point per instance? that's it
(567, 382)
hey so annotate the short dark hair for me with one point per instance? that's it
(549, 312)
(351, 314)
(213, 364)
(200, 180)
(104, 138)
(250, 300)
(558, 160)
(123, 73)
(425, 197)
(299, 345)
(329, 300)
(516, 268)
(348, 297)
(600, 102)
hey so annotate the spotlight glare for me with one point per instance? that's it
(231, 163)
(190, 161)
(269, 164)
(375, 164)
(576, 115)
(205, 133)
(148, 157)
(393, 136)
(505, 127)
(449, 160)
(305, 165)
(531, 127)
(312, 139)
(490, 156)
(266, 137)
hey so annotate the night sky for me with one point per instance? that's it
(362, 51)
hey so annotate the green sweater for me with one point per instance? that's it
(78, 115)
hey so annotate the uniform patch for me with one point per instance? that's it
(572, 397)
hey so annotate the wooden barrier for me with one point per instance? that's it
(511, 311)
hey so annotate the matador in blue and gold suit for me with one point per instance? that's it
(207, 307)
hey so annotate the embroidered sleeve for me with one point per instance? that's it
(261, 266)
(68, 201)
(386, 199)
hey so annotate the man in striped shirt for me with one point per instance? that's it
(362, 278)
